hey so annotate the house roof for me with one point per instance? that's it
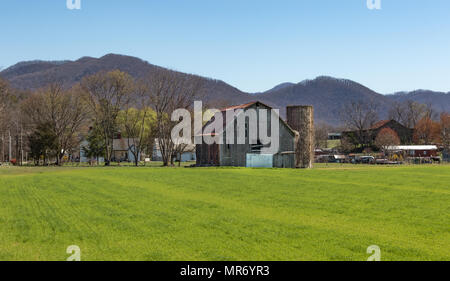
(380, 124)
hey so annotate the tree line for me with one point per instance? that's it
(48, 125)
(428, 126)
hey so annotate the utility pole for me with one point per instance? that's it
(21, 146)
(10, 140)
(17, 151)
(3, 148)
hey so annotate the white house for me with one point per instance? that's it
(84, 158)
(123, 149)
(186, 156)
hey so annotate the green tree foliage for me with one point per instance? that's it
(43, 143)
(107, 94)
(96, 145)
(61, 111)
(138, 127)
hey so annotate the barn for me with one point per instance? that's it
(249, 155)
(405, 134)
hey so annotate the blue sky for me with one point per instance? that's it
(251, 44)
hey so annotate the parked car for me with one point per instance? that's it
(363, 160)
(382, 161)
(387, 162)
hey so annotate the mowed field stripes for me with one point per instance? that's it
(332, 212)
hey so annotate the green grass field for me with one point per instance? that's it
(124, 213)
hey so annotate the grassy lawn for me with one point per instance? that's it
(332, 212)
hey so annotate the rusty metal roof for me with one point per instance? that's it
(244, 106)
(380, 124)
(241, 106)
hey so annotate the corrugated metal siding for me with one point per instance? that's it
(259, 160)
(284, 160)
(207, 154)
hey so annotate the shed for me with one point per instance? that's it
(415, 150)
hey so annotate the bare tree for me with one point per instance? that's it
(359, 116)
(11, 124)
(168, 91)
(107, 93)
(4, 96)
(399, 113)
(409, 112)
(431, 112)
(386, 138)
(321, 135)
(346, 145)
(427, 131)
(137, 121)
(63, 112)
(445, 131)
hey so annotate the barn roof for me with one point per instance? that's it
(245, 106)
(241, 106)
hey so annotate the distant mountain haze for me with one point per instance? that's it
(328, 95)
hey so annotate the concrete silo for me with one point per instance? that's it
(301, 119)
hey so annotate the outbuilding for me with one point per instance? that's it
(415, 150)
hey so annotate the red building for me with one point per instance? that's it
(415, 150)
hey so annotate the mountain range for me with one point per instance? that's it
(328, 95)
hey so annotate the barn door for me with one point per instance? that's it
(213, 155)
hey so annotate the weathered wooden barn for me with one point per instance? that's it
(249, 155)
